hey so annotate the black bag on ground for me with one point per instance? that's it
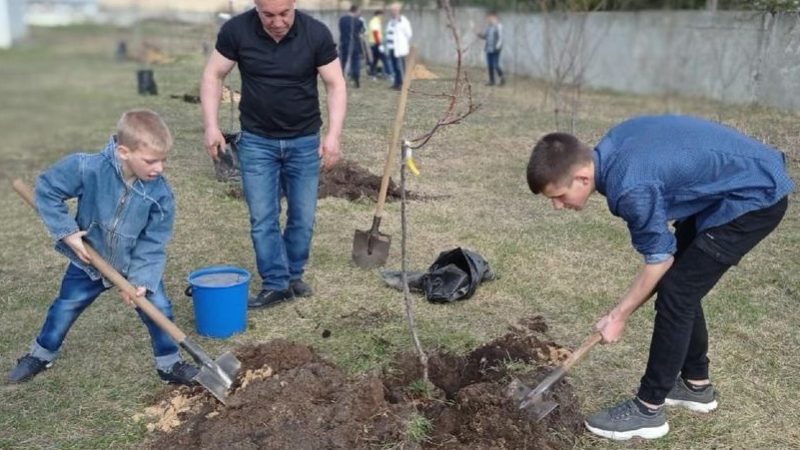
(226, 168)
(455, 275)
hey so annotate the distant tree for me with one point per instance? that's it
(772, 6)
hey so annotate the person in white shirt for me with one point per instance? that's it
(398, 43)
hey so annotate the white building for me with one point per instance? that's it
(12, 22)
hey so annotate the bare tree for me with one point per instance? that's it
(566, 54)
(454, 113)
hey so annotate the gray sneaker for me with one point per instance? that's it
(681, 395)
(625, 421)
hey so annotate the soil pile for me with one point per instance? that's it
(288, 397)
(353, 182)
(346, 180)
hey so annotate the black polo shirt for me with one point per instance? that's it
(279, 79)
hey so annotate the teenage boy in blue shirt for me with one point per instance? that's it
(126, 212)
(724, 193)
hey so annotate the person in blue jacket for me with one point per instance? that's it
(126, 212)
(722, 191)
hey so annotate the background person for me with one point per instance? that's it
(351, 28)
(493, 35)
(398, 43)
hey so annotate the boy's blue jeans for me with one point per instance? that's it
(493, 64)
(77, 292)
(268, 167)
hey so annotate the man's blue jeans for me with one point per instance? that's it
(270, 166)
(398, 67)
(77, 292)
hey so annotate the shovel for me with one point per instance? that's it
(371, 247)
(537, 401)
(216, 376)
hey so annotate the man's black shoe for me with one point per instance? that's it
(268, 297)
(28, 367)
(181, 373)
(300, 288)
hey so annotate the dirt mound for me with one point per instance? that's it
(422, 73)
(288, 397)
(351, 181)
(346, 180)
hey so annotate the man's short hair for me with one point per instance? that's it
(143, 128)
(553, 160)
(353, 8)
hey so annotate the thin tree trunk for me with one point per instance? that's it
(409, 302)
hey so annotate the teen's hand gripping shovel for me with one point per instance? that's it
(371, 247)
(537, 400)
(216, 376)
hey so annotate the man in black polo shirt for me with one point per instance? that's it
(280, 52)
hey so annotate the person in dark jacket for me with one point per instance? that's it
(351, 29)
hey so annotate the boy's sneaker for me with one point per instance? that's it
(270, 297)
(180, 373)
(703, 400)
(28, 367)
(626, 420)
(300, 288)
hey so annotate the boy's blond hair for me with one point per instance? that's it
(143, 128)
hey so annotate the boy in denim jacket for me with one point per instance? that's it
(722, 192)
(126, 212)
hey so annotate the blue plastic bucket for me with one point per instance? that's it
(219, 294)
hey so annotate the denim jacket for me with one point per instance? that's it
(129, 225)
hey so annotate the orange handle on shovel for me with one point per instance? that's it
(578, 354)
(115, 277)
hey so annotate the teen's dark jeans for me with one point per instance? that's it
(680, 338)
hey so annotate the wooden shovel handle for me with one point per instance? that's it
(394, 142)
(115, 277)
(578, 354)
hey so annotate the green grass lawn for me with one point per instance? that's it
(62, 91)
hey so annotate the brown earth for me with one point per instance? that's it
(346, 180)
(288, 397)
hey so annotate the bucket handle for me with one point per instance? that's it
(188, 291)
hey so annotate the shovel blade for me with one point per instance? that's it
(213, 383)
(229, 365)
(217, 377)
(535, 403)
(370, 249)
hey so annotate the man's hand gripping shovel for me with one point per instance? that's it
(216, 376)
(538, 401)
